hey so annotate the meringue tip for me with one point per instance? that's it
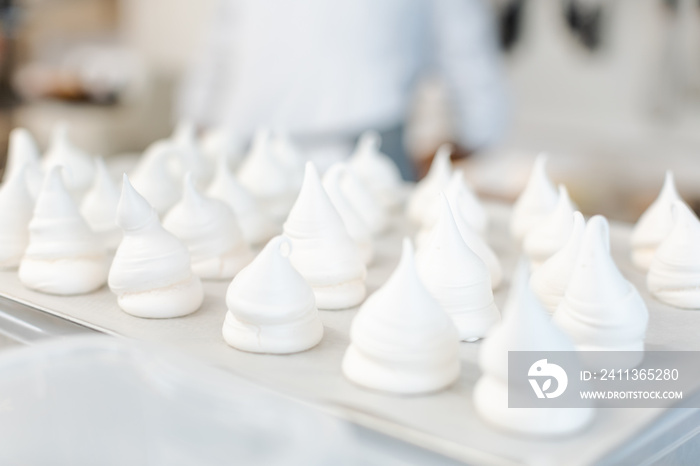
(579, 220)
(370, 139)
(281, 245)
(444, 152)
(597, 233)
(310, 171)
(132, 210)
(190, 193)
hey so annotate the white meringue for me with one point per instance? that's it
(99, 207)
(209, 229)
(402, 341)
(291, 159)
(78, 166)
(354, 224)
(426, 195)
(601, 310)
(466, 201)
(151, 273)
(153, 177)
(377, 170)
(16, 206)
(654, 224)
(255, 224)
(221, 142)
(549, 281)
(323, 252)
(457, 278)
(674, 273)
(23, 154)
(191, 159)
(475, 242)
(536, 201)
(264, 176)
(64, 256)
(362, 200)
(271, 308)
(548, 236)
(525, 327)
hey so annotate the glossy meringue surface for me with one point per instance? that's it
(23, 154)
(402, 341)
(99, 207)
(525, 327)
(654, 224)
(601, 310)
(376, 170)
(151, 273)
(426, 194)
(457, 278)
(64, 256)
(550, 280)
(78, 166)
(354, 224)
(260, 172)
(538, 199)
(547, 237)
(16, 208)
(674, 273)
(209, 229)
(153, 177)
(475, 242)
(271, 308)
(322, 250)
(256, 225)
(358, 194)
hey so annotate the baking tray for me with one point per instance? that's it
(444, 422)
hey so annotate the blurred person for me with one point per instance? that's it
(326, 71)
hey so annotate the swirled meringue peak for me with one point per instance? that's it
(475, 242)
(355, 226)
(674, 273)
(99, 207)
(322, 250)
(256, 225)
(264, 176)
(525, 327)
(362, 200)
(23, 154)
(291, 159)
(153, 177)
(465, 200)
(221, 142)
(64, 256)
(426, 195)
(16, 206)
(457, 278)
(549, 281)
(271, 308)
(402, 341)
(538, 199)
(151, 273)
(548, 236)
(78, 166)
(377, 170)
(209, 229)
(601, 310)
(191, 157)
(654, 224)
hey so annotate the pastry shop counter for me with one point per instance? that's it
(444, 422)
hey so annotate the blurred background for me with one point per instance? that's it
(611, 89)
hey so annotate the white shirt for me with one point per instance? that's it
(334, 68)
